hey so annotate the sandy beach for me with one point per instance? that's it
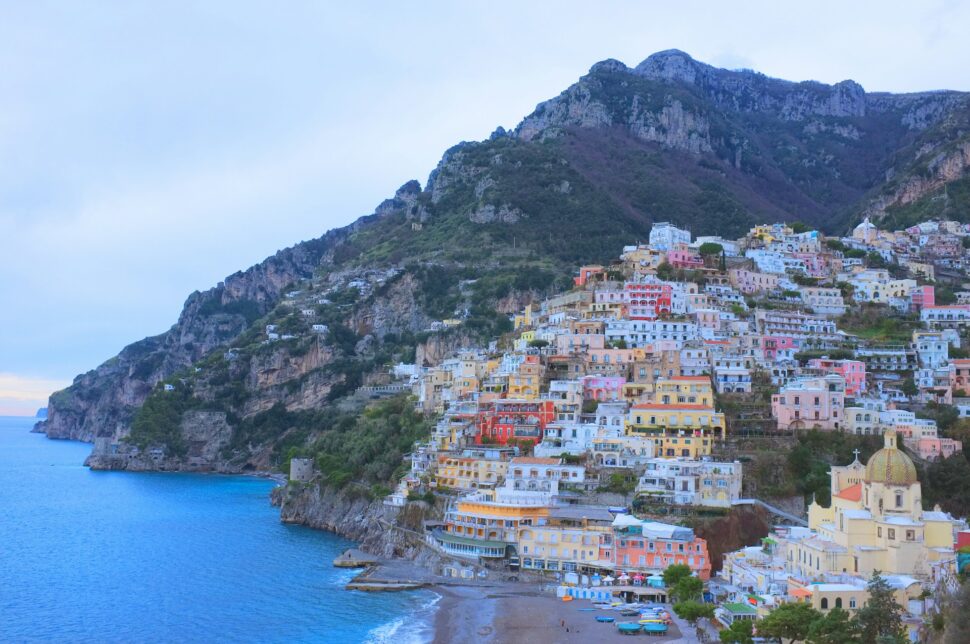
(518, 613)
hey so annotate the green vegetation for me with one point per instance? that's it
(157, 422)
(692, 610)
(348, 446)
(880, 620)
(879, 323)
(739, 632)
(791, 622)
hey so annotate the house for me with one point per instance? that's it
(650, 547)
(500, 421)
(681, 481)
(853, 372)
(817, 402)
(954, 316)
(665, 236)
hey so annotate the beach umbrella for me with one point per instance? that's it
(607, 580)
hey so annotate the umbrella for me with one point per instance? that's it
(607, 580)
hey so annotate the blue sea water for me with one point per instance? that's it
(127, 557)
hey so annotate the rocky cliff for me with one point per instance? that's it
(379, 529)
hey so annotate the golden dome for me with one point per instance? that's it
(891, 465)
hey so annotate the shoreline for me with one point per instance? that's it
(517, 613)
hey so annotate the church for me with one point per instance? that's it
(875, 521)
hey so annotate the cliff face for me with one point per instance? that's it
(379, 529)
(102, 402)
(500, 222)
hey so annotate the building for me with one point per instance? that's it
(665, 236)
(853, 372)
(567, 540)
(500, 421)
(650, 547)
(808, 403)
(680, 481)
(876, 523)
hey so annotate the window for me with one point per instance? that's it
(892, 534)
(852, 602)
(838, 602)
(899, 499)
(911, 535)
(825, 603)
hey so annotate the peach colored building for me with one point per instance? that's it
(852, 371)
(810, 403)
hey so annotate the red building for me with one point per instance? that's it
(647, 300)
(502, 420)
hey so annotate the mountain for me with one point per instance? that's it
(498, 223)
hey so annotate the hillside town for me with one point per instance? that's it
(618, 398)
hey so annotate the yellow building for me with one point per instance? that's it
(877, 523)
(568, 540)
(524, 319)
(688, 430)
(484, 525)
(524, 383)
(460, 472)
(691, 390)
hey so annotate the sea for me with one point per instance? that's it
(146, 557)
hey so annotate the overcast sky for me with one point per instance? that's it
(149, 149)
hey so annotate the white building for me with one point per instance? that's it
(665, 236)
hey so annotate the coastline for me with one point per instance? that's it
(520, 613)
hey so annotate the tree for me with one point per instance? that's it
(957, 628)
(798, 227)
(687, 589)
(693, 610)
(881, 618)
(835, 627)
(710, 248)
(538, 344)
(739, 632)
(789, 621)
(675, 573)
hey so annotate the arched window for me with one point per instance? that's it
(838, 602)
(825, 603)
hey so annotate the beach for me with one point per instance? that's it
(520, 613)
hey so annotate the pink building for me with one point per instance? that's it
(922, 296)
(647, 300)
(567, 343)
(684, 259)
(779, 347)
(852, 371)
(603, 388)
(815, 264)
(809, 403)
(752, 282)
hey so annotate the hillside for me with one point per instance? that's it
(499, 222)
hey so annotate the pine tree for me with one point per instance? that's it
(881, 618)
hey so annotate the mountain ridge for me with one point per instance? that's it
(499, 221)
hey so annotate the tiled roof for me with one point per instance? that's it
(851, 493)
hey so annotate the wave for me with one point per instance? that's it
(416, 628)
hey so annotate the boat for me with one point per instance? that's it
(653, 628)
(629, 628)
(567, 598)
(630, 613)
(604, 619)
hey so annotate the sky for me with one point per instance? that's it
(149, 149)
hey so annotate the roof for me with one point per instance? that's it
(740, 609)
(851, 493)
(670, 406)
(591, 512)
(535, 460)
(800, 592)
(858, 514)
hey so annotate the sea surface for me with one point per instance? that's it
(130, 557)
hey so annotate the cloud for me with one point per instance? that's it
(24, 395)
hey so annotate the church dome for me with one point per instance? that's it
(890, 465)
